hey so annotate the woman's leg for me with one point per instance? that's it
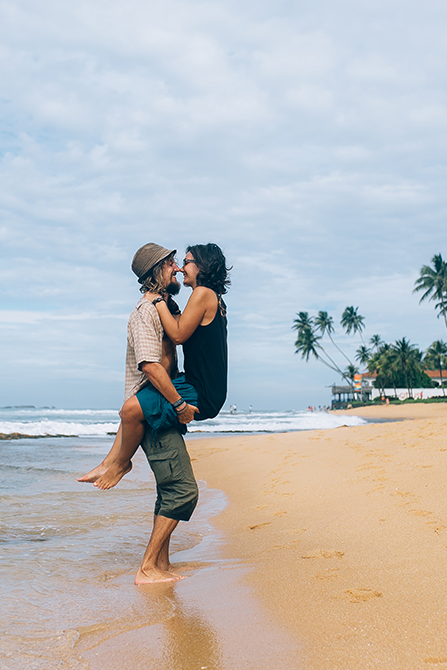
(132, 426)
(100, 469)
(147, 407)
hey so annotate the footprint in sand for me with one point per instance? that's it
(332, 554)
(293, 544)
(327, 576)
(325, 554)
(259, 525)
(403, 494)
(362, 595)
(367, 466)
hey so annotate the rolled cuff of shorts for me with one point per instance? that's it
(182, 512)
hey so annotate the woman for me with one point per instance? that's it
(202, 329)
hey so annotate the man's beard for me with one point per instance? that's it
(173, 288)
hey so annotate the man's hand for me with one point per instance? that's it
(159, 378)
(187, 415)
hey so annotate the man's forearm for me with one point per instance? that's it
(159, 378)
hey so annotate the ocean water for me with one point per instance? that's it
(69, 553)
(100, 423)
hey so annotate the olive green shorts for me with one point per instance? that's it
(177, 491)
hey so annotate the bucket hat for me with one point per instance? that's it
(147, 257)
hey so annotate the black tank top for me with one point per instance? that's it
(206, 363)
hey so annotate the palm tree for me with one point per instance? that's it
(303, 321)
(376, 341)
(352, 321)
(436, 358)
(362, 355)
(381, 362)
(433, 281)
(390, 363)
(308, 343)
(325, 324)
(407, 360)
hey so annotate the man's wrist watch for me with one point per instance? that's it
(159, 299)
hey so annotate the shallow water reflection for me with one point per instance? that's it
(190, 640)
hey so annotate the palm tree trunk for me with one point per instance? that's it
(444, 309)
(337, 347)
(394, 385)
(407, 384)
(335, 368)
(440, 371)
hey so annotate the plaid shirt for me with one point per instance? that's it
(144, 344)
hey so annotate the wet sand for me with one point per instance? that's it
(209, 621)
(344, 534)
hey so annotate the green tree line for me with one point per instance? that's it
(398, 365)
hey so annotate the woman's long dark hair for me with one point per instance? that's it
(213, 272)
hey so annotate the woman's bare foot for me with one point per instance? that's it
(154, 575)
(111, 477)
(94, 474)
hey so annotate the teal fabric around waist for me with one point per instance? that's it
(158, 412)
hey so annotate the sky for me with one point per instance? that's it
(308, 140)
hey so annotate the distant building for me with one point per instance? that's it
(436, 377)
(343, 395)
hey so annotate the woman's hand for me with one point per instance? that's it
(202, 302)
(151, 296)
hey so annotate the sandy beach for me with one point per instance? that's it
(310, 550)
(345, 532)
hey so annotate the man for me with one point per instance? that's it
(151, 358)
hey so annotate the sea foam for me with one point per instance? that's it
(100, 423)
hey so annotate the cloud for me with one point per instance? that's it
(308, 141)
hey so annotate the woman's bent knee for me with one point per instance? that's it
(131, 411)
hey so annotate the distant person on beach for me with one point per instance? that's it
(157, 397)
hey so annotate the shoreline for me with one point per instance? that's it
(345, 531)
(403, 411)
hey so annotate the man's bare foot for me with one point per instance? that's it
(94, 474)
(111, 477)
(170, 568)
(154, 575)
